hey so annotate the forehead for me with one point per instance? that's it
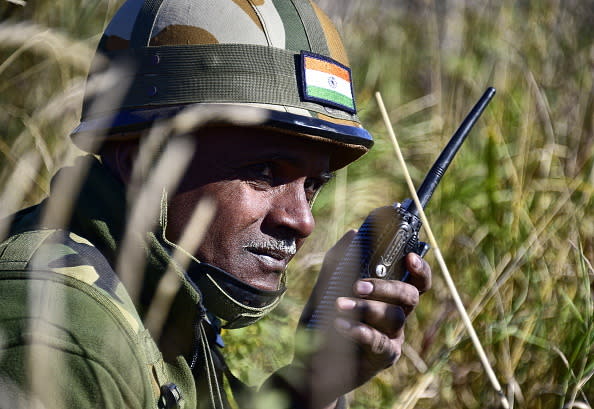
(238, 143)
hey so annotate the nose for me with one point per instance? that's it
(290, 211)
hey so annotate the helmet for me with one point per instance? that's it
(284, 57)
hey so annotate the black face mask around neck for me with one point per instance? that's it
(232, 300)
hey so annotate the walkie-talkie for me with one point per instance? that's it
(389, 233)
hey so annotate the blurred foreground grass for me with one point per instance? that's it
(513, 215)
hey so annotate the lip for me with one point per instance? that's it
(273, 260)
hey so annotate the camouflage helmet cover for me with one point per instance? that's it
(284, 56)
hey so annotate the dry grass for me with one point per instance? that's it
(513, 215)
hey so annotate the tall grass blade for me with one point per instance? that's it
(450, 282)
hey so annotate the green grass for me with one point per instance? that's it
(513, 216)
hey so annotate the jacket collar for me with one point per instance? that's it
(100, 215)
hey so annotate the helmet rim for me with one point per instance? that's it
(351, 141)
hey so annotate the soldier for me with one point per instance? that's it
(268, 91)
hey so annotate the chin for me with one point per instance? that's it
(265, 283)
(262, 274)
(254, 276)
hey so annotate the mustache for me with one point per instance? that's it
(285, 246)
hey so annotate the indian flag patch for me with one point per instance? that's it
(327, 82)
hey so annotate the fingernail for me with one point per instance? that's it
(364, 287)
(346, 303)
(416, 262)
(342, 324)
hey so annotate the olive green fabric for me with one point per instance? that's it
(313, 28)
(297, 41)
(158, 57)
(70, 337)
(230, 51)
(227, 73)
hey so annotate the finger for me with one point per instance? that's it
(388, 291)
(386, 318)
(420, 272)
(380, 349)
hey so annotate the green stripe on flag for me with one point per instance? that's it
(329, 95)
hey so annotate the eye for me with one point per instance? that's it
(259, 174)
(312, 187)
(261, 170)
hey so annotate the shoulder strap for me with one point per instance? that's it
(69, 255)
(62, 253)
(17, 250)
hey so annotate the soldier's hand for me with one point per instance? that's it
(368, 332)
(374, 319)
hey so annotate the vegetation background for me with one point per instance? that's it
(513, 216)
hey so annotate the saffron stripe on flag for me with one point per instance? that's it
(326, 66)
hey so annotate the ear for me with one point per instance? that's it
(125, 155)
(119, 157)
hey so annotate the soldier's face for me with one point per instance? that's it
(263, 183)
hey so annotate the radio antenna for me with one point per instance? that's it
(445, 158)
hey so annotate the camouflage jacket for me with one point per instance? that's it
(70, 335)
